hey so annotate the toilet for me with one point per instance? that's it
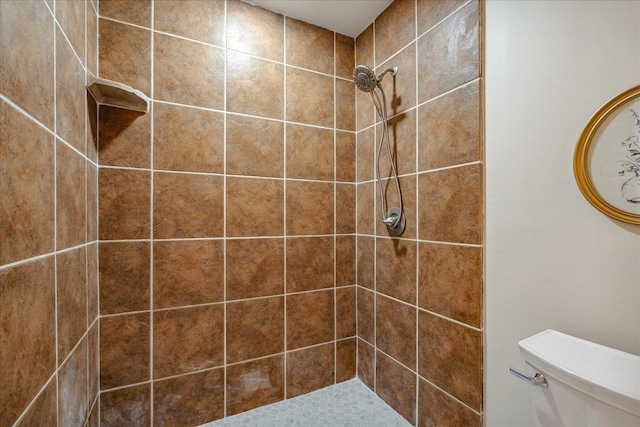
(584, 384)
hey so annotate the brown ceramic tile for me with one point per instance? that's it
(92, 283)
(27, 179)
(309, 208)
(93, 369)
(366, 213)
(72, 388)
(71, 299)
(345, 208)
(345, 56)
(255, 268)
(27, 63)
(125, 54)
(430, 12)
(253, 384)
(254, 146)
(28, 340)
(186, 205)
(302, 108)
(441, 69)
(345, 156)
(256, 31)
(365, 110)
(187, 72)
(255, 207)
(126, 406)
(92, 129)
(345, 260)
(201, 399)
(249, 95)
(450, 129)
(92, 39)
(255, 328)
(124, 137)
(125, 203)
(92, 201)
(394, 29)
(345, 312)
(130, 11)
(187, 139)
(124, 277)
(345, 360)
(178, 344)
(408, 189)
(70, 14)
(310, 319)
(94, 417)
(193, 19)
(366, 315)
(402, 138)
(436, 408)
(366, 363)
(451, 205)
(70, 202)
(310, 369)
(396, 385)
(124, 341)
(450, 356)
(187, 273)
(345, 105)
(450, 280)
(309, 263)
(309, 152)
(364, 47)
(71, 95)
(396, 269)
(365, 153)
(309, 46)
(43, 410)
(366, 255)
(396, 330)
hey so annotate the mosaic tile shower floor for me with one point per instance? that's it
(348, 404)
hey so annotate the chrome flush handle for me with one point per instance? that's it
(538, 379)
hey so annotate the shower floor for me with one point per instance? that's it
(350, 403)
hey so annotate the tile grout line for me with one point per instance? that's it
(284, 206)
(224, 219)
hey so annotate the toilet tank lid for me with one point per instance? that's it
(604, 373)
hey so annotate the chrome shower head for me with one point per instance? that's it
(365, 78)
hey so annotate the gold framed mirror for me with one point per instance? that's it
(606, 161)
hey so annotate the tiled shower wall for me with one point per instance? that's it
(48, 215)
(420, 296)
(227, 213)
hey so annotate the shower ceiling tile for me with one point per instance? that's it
(309, 46)
(438, 408)
(394, 28)
(310, 369)
(242, 395)
(316, 109)
(126, 406)
(187, 72)
(201, 399)
(255, 268)
(187, 139)
(441, 68)
(124, 277)
(396, 385)
(310, 152)
(255, 207)
(345, 56)
(345, 156)
(124, 138)
(187, 205)
(255, 31)
(187, 273)
(310, 319)
(193, 19)
(309, 263)
(254, 146)
(309, 208)
(136, 12)
(178, 346)
(71, 299)
(125, 204)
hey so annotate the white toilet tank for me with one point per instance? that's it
(588, 384)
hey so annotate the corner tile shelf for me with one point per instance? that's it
(114, 94)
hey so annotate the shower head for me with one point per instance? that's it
(365, 78)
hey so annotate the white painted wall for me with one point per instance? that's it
(552, 260)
